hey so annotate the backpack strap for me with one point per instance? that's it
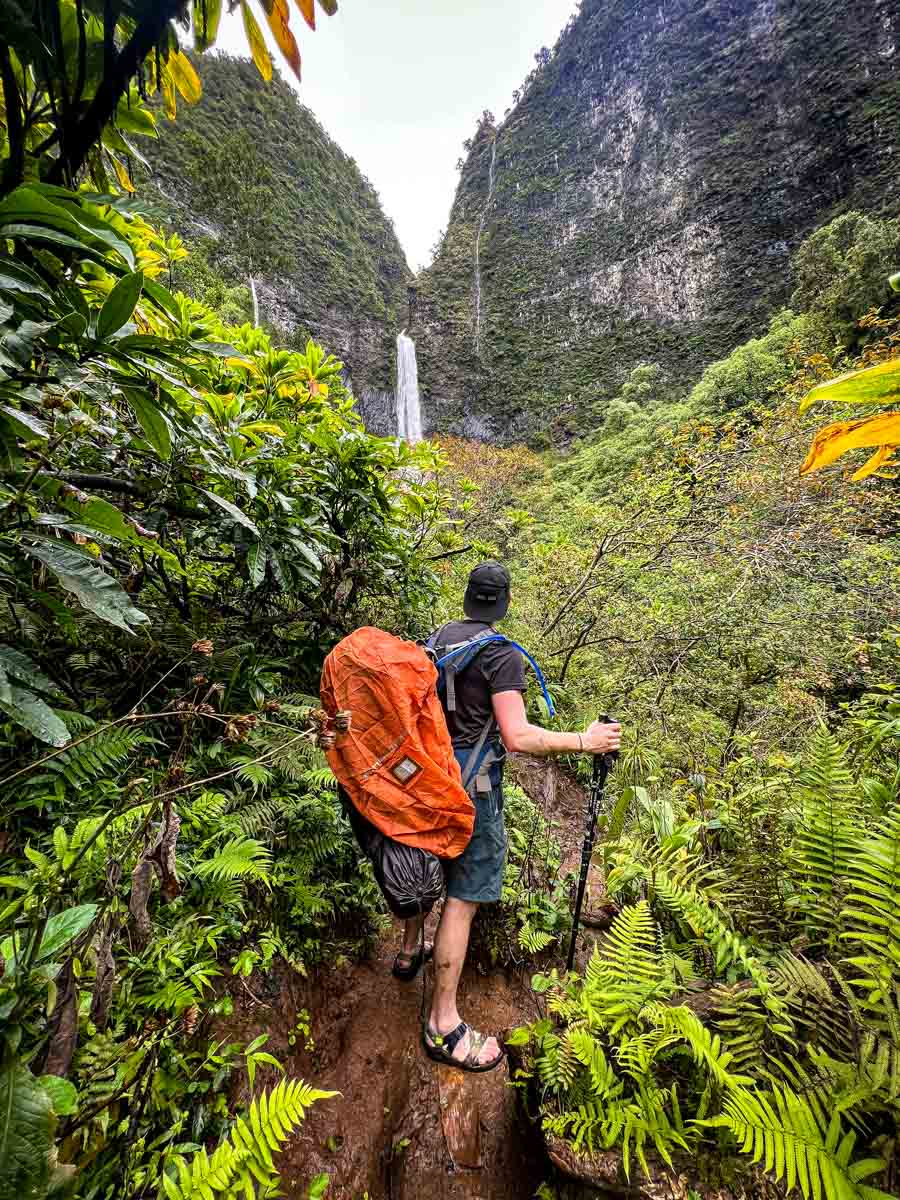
(473, 766)
(455, 657)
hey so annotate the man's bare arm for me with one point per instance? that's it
(519, 734)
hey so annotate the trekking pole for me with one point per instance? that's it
(601, 766)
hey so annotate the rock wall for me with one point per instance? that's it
(649, 186)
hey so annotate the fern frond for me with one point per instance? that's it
(706, 922)
(106, 753)
(781, 1129)
(204, 811)
(534, 940)
(319, 778)
(239, 858)
(871, 914)
(705, 1046)
(627, 972)
(825, 842)
(244, 1159)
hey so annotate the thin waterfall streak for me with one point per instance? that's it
(484, 212)
(409, 412)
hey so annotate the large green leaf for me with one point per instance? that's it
(63, 929)
(151, 420)
(35, 715)
(98, 592)
(26, 1133)
(20, 667)
(872, 385)
(233, 511)
(256, 564)
(31, 207)
(119, 304)
(31, 425)
(63, 1094)
(16, 277)
(207, 14)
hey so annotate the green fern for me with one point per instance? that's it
(534, 940)
(239, 858)
(706, 922)
(871, 914)
(627, 972)
(705, 1046)
(319, 778)
(241, 1166)
(825, 841)
(782, 1129)
(106, 753)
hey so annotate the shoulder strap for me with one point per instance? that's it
(456, 657)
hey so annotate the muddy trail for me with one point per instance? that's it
(403, 1127)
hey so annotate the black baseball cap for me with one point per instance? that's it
(487, 592)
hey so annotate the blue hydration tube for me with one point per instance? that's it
(501, 637)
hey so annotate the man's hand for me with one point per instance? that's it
(601, 739)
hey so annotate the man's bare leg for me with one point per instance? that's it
(412, 935)
(450, 946)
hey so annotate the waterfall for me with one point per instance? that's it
(484, 211)
(409, 414)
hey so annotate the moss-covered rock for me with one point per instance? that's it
(649, 188)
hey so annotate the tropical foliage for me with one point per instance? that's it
(77, 76)
(189, 518)
(794, 1050)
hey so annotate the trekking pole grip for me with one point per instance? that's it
(603, 762)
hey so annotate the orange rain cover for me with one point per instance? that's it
(397, 762)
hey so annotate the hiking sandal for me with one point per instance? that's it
(440, 1047)
(409, 969)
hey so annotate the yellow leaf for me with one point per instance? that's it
(883, 457)
(307, 7)
(263, 427)
(873, 385)
(122, 175)
(185, 77)
(279, 22)
(834, 440)
(207, 15)
(255, 40)
(168, 94)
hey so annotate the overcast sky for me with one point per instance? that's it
(399, 85)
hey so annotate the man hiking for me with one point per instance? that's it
(491, 686)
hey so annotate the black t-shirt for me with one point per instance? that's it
(496, 668)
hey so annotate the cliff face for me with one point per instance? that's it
(254, 183)
(641, 201)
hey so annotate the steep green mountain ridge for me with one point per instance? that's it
(253, 181)
(641, 201)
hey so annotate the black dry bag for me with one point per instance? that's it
(411, 880)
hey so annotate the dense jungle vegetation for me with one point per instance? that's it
(191, 516)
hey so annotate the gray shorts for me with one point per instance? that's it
(477, 875)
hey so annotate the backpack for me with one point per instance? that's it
(396, 762)
(451, 659)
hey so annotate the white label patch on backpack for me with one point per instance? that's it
(405, 770)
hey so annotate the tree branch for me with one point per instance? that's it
(14, 170)
(84, 134)
(110, 483)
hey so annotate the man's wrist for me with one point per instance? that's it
(580, 743)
